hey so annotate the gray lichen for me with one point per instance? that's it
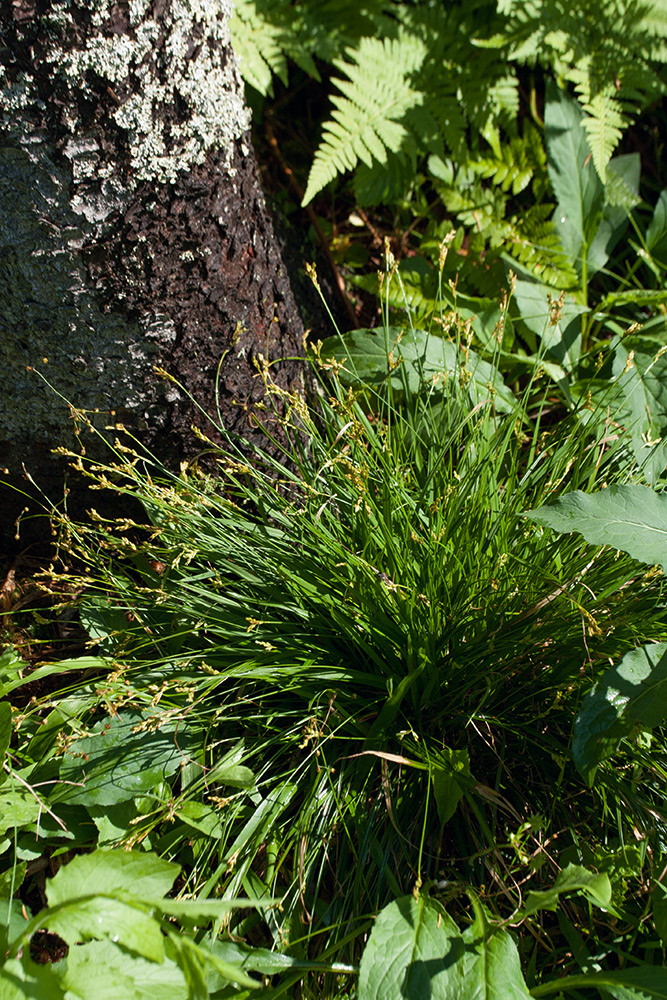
(183, 63)
(170, 92)
(49, 320)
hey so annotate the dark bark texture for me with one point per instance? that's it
(133, 235)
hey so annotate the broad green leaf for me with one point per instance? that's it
(411, 953)
(101, 971)
(101, 617)
(630, 697)
(416, 360)
(660, 911)
(621, 196)
(15, 919)
(235, 775)
(491, 967)
(18, 807)
(124, 757)
(656, 234)
(105, 917)
(21, 980)
(640, 370)
(12, 877)
(107, 871)
(562, 339)
(11, 665)
(574, 878)
(113, 822)
(632, 518)
(269, 963)
(193, 969)
(589, 217)
(574, 179)
(636, 400)
(447, 789)
(201, 817)
(196, 955)
(415, 951)
(65, 716)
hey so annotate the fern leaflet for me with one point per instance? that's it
(367, 120)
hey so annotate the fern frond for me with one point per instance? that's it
(368, 117)
(604, 124)
(256, 40)
(534, 242)
(329, 27)
(387, 183)
(267, 33)
(512, 167)
(606, 48)
(653, 20)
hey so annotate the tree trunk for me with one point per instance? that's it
(133, 234)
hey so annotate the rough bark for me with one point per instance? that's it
(133, 233)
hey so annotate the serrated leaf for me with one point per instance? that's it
(101, 971)
(375, 97)
(27, 981)
(105, 917)
(604, 128)
(18, 807)
(574, 878)
(415, 950)
(630, 697)
(426, 361)
(632, 518)
(109, 871)
(641, 297)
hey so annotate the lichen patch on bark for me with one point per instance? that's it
(133, 234)
(167, 72)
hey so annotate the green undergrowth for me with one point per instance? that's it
(344, 674)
